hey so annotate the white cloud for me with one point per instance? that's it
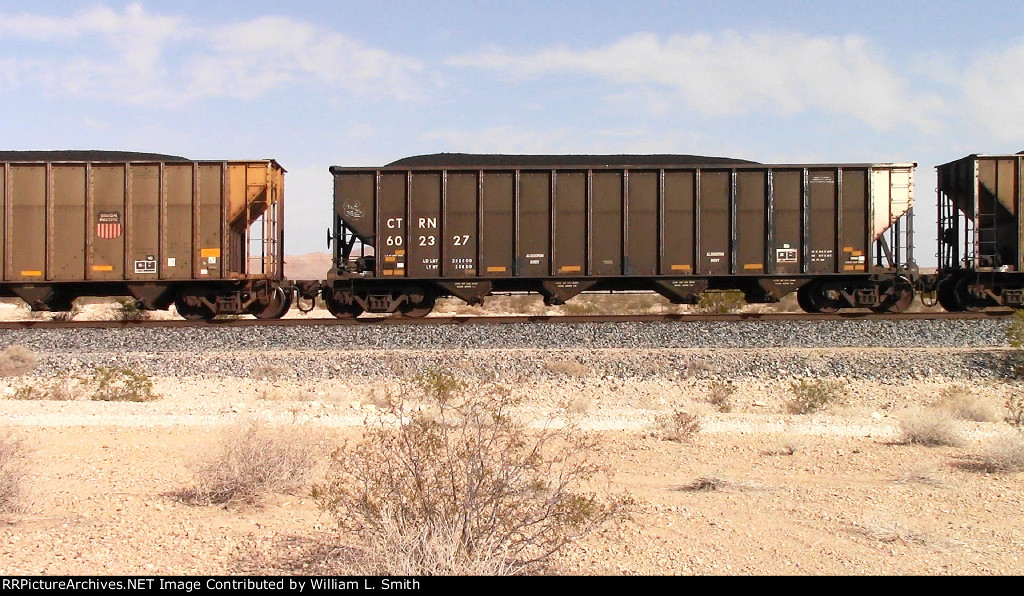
(730, 73)
(137, 57)
(993, 88)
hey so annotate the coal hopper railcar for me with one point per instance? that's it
(206, 236)
(472, 225)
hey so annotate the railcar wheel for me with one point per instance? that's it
(811, 299)
(946, 295)
(342, 310)
(963, 296)
(900, 301)
(416, 310)
(276, 307)
(193, 313)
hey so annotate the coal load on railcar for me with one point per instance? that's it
(981, 248)
(470, 225)
(206, 236)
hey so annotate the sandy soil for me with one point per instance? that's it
(831, 493)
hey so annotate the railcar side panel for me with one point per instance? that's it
(145, 260)
(178, 222)
(390, 247)
(750, 222)
(787, 256)
(569, 246)
(821, 223)
(66, 234)
(107, 224)
(4, 234)
(641, 258)
(605, 255)
(853, 233)
(28, 196)
(497, 224)
(715, 222)
(461, 237)
(210, 233)
(678, 224)
(533, 228)
(426, 231)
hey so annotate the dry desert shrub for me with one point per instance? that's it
(269, 371)
(58, 389)
(720, 396)
(812, 395)
(884, 529)
(1015, 411)
(17, 360)
(129, 309)
(959, 401)
(252, 460)
(1004, 453)
(457, 486)
(12, 472)
(930, 426)
(788, 443)
(679, 426)
(121, 384)
(721, 303)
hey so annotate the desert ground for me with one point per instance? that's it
(754, 489)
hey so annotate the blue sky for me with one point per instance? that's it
(315, 84)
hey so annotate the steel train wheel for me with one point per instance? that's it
(963, 296)
(192, 313)
(342, 310)
(946, 295)
(811, 299)
(276, 307)
(416, 310)
(901, 299)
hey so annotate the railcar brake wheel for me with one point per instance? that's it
(342, 310)
(192, 313)
(276, 308)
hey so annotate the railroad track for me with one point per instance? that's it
(506, 320)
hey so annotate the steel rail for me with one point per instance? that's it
(506, 320)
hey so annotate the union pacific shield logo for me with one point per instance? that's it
(108, 225)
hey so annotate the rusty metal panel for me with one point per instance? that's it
(715, 222)
(497, 233)
(605, 240)
(426, 236)
(391, 205)
(143, 221)
(177, 222)
(751, 222)
(460, 223)
(569, 238)
(67, 226)
(821, 221)
(107, 225)
(677, 244)
(27, 228)
(642, 224)
(853, 232)
(354, 195)
(787, 201)
(210, 194)
(533, 230)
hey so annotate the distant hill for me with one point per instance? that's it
(312, 265)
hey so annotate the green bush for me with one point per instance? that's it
(812, 395)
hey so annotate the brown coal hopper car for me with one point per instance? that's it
(472, 225)
(981, 249)
(206, 236)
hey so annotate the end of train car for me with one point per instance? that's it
(840, 235)
(980, 245)
(206, 236)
